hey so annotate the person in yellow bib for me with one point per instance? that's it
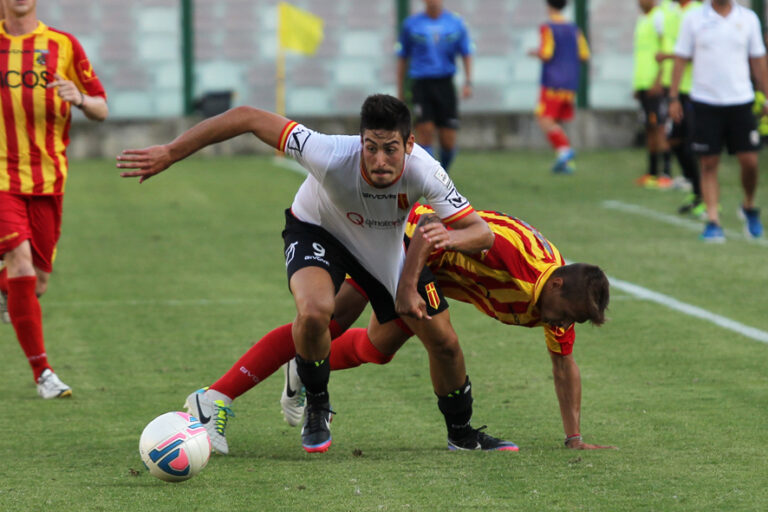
(680, 134)
(650, 93)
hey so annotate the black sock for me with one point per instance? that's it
(314, 375)
(457, 410)
(666, 158)
(653, 164)
(689, 165)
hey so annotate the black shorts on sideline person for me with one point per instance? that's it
(733, 125)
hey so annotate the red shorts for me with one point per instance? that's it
(33, 218)
(556, 104)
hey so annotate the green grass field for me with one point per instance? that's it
(159, 288)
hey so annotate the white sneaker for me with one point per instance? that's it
(50, 386)
(294, 396)
(213, 414)
(4, 316)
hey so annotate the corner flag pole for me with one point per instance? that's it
(582, 20)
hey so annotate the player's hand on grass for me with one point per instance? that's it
(578, 444)
(410, 303)
(67, 90)
(149, 161)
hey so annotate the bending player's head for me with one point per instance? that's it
(575, 293)
(385, 133)
(557, 4)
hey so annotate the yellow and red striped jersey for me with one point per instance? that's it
(35, 120)
(504, 282)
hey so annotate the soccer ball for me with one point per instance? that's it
(175, 446)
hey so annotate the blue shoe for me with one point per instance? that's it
(753, 228)
(561, 165)
(713, 233)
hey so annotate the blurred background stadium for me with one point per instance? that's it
(137, 49)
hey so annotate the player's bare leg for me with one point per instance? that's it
(710, 192)
(710, 189)
(748, 164)
(447, 138)
(313, 292)
(425, 135)
(749, 177)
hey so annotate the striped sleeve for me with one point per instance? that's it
(283, 140)
(560, 341)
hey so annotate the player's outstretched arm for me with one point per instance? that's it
(152, 160)
(568, 389)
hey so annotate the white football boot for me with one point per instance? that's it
(294, 397)
(50, 386)
(214, 415)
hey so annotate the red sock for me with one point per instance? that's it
(262, 360)
(354, 348)
(27, 320)
(558, 139)
(4, 280)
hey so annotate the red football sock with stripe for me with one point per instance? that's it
(558, 139)
(263, 359)
(27, 320)
(354, 348)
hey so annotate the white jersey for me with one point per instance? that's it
(368, 221)
(720, 48)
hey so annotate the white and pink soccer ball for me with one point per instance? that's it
(175, 446)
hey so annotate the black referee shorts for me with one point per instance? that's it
(434, 99)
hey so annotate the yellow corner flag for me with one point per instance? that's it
(298, 29)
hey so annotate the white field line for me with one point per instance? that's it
(682, 222)
(631, 290)
(688, 309)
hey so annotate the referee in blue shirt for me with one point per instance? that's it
(431, 40)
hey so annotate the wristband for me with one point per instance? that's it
(82, 100)
(570, 438)
(674, 98)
